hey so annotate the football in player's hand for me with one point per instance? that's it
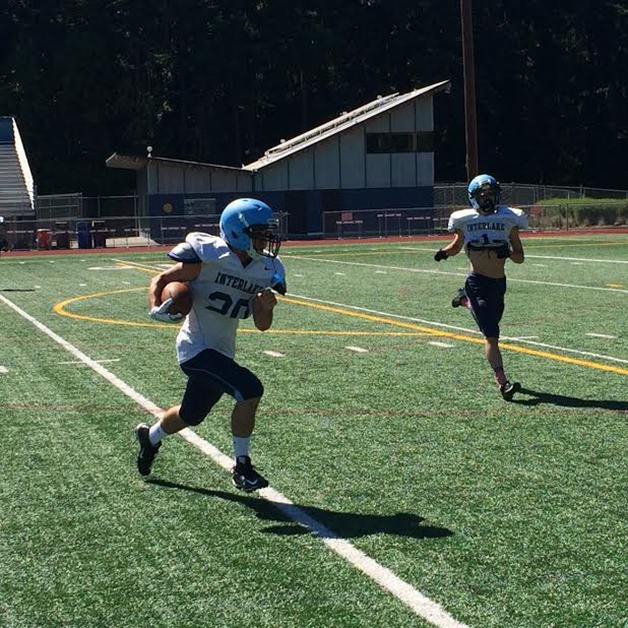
(181, 296)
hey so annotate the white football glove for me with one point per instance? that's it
(160, 313)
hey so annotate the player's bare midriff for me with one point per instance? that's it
(487, 263)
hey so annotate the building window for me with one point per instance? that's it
(421, 142)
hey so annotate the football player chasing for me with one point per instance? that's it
(490, 234)
(230, 277)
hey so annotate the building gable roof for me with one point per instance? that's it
(134, 162)
(341, 123)
(296, 144)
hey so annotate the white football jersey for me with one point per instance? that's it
(489, 231)
(222, 295)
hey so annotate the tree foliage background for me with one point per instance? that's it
(221, 81)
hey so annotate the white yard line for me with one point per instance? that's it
(444, 272)
(465, 330)
(421, 605)
(566, 259)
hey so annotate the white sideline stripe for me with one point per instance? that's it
(602, 336)
(419, 603)
(147, 404)
(274, 354)
(439, 344)
(357, 349)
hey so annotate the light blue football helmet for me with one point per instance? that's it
(250, 225)
(484, 193)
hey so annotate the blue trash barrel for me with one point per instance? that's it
(84, 235)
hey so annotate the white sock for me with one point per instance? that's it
(156, 434)
(241, 446)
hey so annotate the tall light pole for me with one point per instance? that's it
(468, 70)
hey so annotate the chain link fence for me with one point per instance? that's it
(73, 221)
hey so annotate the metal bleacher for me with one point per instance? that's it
(16, 182)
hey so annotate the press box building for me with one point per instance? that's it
(378, 156)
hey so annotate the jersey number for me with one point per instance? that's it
(223, 304)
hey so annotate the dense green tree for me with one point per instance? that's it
(222, 80)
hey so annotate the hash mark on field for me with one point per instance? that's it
(440, 344)
(381, 272)
(4, 369)
(357, 349)
(111, 268)
(341, 274)
(99, 361)
(602, 336)
(275, 354)
(540, 265)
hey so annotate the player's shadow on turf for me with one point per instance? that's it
(570, 402)
(326, 523)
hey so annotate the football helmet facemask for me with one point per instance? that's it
(484, 193)
(250, 225)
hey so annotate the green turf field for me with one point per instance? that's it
(381, 427)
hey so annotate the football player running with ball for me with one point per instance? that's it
(230, 277)
(490, 233)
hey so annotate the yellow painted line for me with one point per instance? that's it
(60, 309)
(447, 334)
(614, 285)
(307, 332)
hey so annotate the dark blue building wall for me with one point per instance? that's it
(305, 208)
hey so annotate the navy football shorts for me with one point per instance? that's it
(486, 297)
(210, 375)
